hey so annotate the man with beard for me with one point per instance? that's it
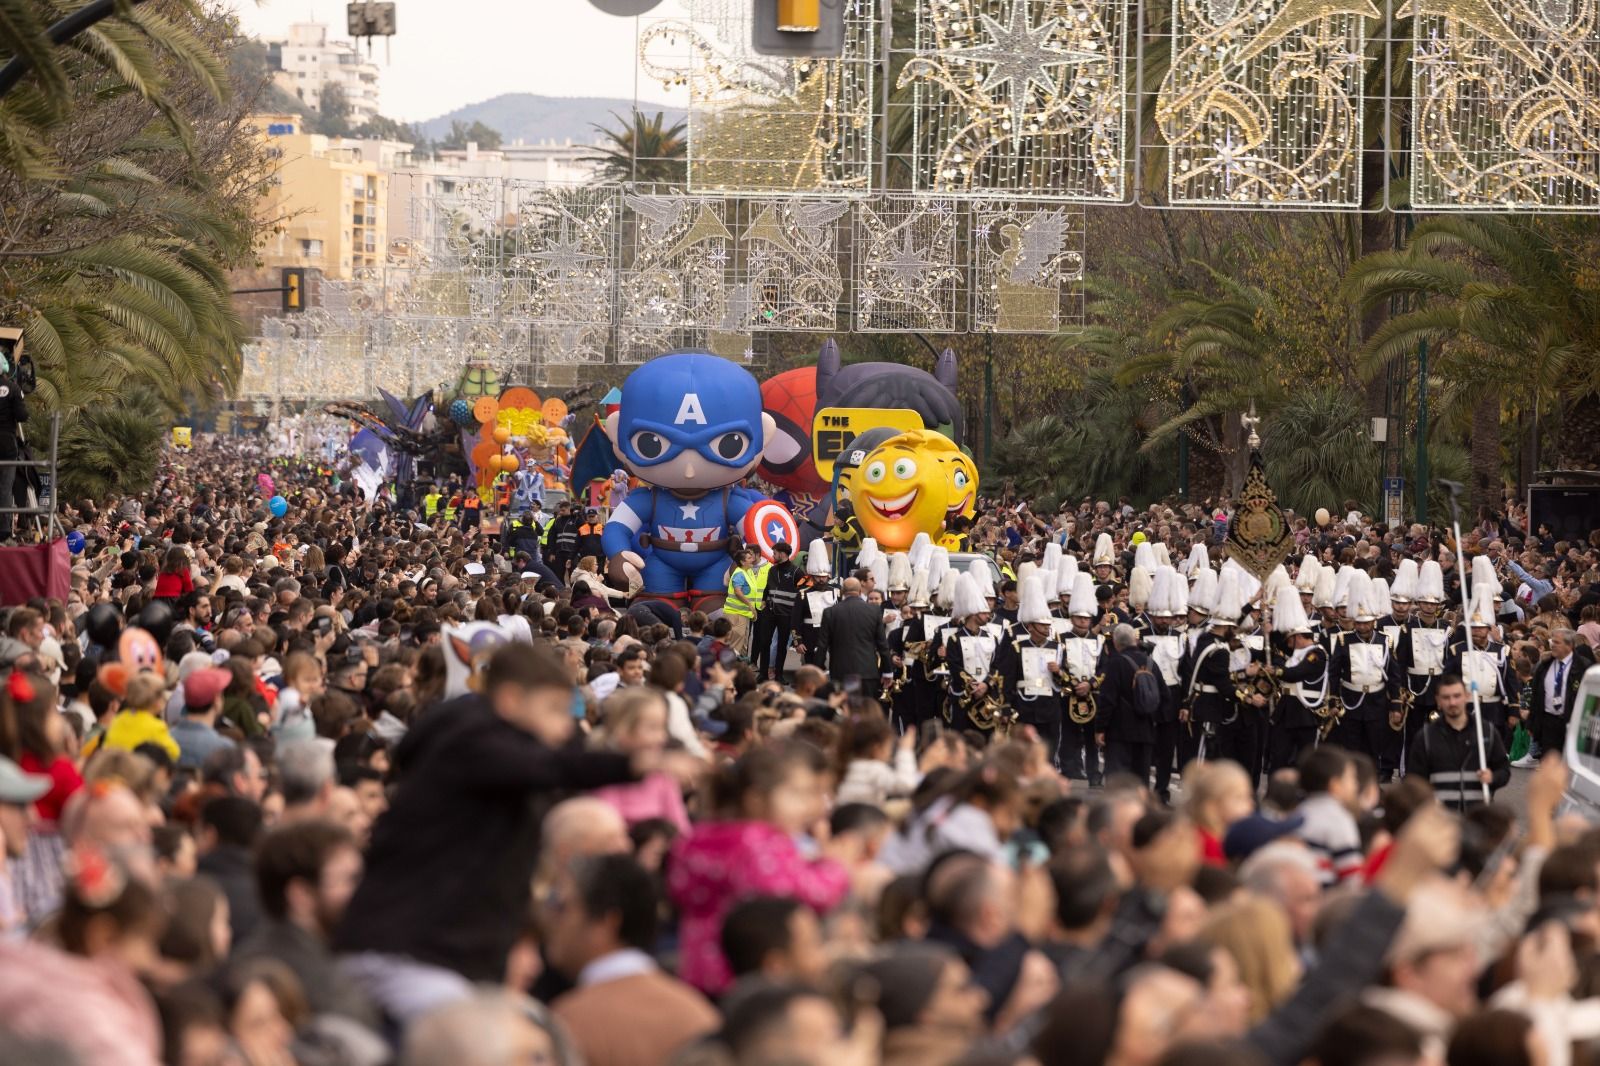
(306, 873)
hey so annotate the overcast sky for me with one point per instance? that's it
(453, 52)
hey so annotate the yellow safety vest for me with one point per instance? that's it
(430, 503)
(758, 586)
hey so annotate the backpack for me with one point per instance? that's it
(1147, 688)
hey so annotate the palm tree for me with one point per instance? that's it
(1504, 307)
(116, 264)
(645, 150)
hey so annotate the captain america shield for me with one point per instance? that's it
(766, 524)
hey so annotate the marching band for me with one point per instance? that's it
(1252, 670)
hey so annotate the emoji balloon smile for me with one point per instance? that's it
(894, 509)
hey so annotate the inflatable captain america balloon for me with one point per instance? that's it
(690, 426)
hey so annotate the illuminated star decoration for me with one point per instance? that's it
(566, 254)
(1020, 55)
(907, 263)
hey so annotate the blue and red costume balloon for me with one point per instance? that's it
(690, 426)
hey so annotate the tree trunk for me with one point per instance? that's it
(1377, 235)
(1236, 453)
(1579, 441)
(1207, 472)
(1486, 480)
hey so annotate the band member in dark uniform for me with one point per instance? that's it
(1303, 682)
(1363, 670)
(973, 689)
(1083, 654)
(1033, 667)
(814, 593)
(1164, 644)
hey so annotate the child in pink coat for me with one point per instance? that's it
(767, 798)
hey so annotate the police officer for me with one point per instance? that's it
(776, 618)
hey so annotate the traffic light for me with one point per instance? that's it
(799, 28)
(294, 282)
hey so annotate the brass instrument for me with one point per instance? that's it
(1331, 710)
(913, 652)
(1082, 709)
(1402, 706)
(988, 711)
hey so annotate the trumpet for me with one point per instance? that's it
(988, 711)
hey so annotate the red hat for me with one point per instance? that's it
(201, 688)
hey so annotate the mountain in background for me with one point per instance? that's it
(530, 118)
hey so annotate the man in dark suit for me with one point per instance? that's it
(1128, 737)
(1555, 690)
(853, 641)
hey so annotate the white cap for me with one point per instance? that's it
(1483, 574)
(982, 577)
(1380, 597)
(1430, 583)
(1306, 578)
(818, 562)
(1083, 602)
(1051, 559)
(879, 567)
(1203, 591)
(938, 566)
(1229, 605)
(1066, 575)
(1163, 556)
(1358, 599)
(1323, 595)
(1279, 578)
(1404, 588)
(1139, 582)
(1199, 559)
(1249, 584)
(968, 598)
(1180, 594)
(946, 595)
(1105, 554)
(921, 550)
(1031, 605)
(1288, 616)
(1480, 608)
(1144, 557)
(918, 596)
(1026, 568)
(1162, 602)
(869, 551)
(899, 572)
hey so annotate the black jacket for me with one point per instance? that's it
(1582, 659)
(1115, 715)
(451, 862)
(854, 640)
(233, 869)
(13, 415)
(1448, 760)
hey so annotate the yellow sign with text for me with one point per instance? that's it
(181, 437)
(834, 428)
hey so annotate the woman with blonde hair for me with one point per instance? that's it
(1217, 794)
(1255, 934)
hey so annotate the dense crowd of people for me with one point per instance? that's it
(1070, 788)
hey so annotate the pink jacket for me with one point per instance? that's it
(657, 796)
(98, 1010)
(721, 863)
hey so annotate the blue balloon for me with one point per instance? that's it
(278, 506)
(75, 542)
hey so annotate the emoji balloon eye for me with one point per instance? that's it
(905, 469)
(961, 479)
(875, 472)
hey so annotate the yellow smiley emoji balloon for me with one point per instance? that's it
(963, 474)
(902, 488)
